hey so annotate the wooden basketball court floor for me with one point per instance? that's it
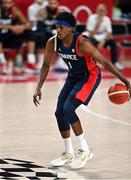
(29, 137)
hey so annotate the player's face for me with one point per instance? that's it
(62, 31)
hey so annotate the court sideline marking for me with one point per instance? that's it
(105, 117)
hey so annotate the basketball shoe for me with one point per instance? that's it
(62, 160)
(81, 159)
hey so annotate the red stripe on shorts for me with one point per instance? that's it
(87, 88)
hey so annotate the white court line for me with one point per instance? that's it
(101, 90)
(105, 117)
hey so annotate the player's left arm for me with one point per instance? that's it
(85, 46)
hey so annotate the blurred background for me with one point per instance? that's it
(28, 56)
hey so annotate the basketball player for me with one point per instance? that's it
(83, 78)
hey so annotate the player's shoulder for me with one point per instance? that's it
(83, 45)
(51, 41)
(83, 38)
(83, 41)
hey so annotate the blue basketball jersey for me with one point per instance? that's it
(77, 65)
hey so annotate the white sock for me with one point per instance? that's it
(68, 145)
(31, 58)
(40, 60)
(82, 142)
(2, 58)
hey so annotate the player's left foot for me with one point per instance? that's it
(81, 159)
(62, 159)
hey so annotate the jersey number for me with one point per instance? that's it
(70, 66)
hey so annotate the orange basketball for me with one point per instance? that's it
(118, 93)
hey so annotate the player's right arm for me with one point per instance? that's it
(44, 71)
(85, 46)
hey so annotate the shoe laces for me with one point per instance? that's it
(78, 154)
(64, 155)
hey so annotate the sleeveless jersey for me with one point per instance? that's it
(78, 65)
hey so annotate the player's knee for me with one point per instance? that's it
(59, 109)
(67, 108)
(58, 112)
(69, 111)
(63, 124)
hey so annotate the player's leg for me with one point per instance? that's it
(63, 123)
(64, 127)
(81, 94)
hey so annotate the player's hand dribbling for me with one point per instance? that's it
(129, 88)
(37, 97)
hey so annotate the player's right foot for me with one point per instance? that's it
(62, 160)
(81, 159)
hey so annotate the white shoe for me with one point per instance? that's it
(62, 160)
(81, 159)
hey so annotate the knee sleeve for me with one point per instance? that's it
(63, 124)
(69, 111)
